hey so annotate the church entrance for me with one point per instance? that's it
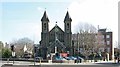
(56, 47)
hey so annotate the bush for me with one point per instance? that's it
(6, 53)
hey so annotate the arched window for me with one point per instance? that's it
(67, 25)
(44, 26)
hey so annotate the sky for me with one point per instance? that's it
(22, 18)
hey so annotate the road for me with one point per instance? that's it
(31, 64)
(63, 66)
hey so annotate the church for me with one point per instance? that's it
(56, 40)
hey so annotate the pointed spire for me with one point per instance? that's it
(67, 17)
(45, 17)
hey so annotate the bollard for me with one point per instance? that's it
(40, 62)
(8, 60)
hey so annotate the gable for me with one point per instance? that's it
(58, 28)
(60, 34)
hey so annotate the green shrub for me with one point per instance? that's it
(6, 53)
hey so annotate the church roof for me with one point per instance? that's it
(45, 17)
(56, 26)
(67, 17)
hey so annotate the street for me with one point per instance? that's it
(75, 65)
(31, 64)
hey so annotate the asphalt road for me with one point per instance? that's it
(31, 64)
(68, 65)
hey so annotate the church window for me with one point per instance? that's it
(68, 25)
(44, 25)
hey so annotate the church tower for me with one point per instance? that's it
(44, 34)
(68, 33)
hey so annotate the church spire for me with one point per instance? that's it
(45, 17)
(67, 17)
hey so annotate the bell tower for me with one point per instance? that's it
(67, 23)
(44, 34)
(45, 23)
(68, 33)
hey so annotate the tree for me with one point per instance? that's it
(86, 38)
(6, 53)
(19, 45)
(1, 47)
(118, 44)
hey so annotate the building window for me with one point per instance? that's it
(83, 43)
(108, 49)
(102, 42)
(108, 42)
(103, 36)
(108, 36)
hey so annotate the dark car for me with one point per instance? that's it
(118, 59)
(38, 58)
(70, 58)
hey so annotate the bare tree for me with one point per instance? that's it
(19, 45)
(118, 45)
(86, 38)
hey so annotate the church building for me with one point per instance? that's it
(55, 40)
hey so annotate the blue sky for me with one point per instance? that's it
(22, 18)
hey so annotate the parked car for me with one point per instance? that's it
(71, 58)
(38, 58)
(80, 59)
(60, 58)
(119, 59)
